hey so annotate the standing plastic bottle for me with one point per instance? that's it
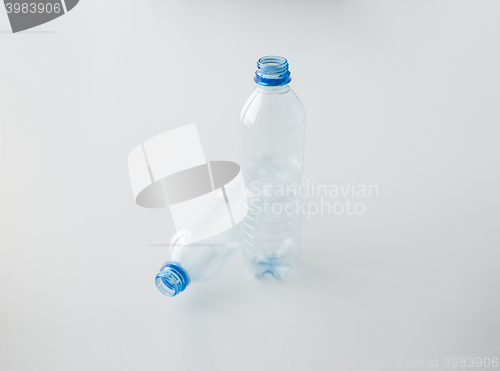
(200, 261)
(272, 138)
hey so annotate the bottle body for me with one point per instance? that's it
(272, 137)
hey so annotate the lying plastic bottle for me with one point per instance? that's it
(272, 136)
(193, 262)
(197, 262)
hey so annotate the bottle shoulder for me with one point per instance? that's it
(270, 111)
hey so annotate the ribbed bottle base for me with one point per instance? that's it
(260, 268)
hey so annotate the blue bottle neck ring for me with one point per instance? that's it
(172, 279)
(272, 71)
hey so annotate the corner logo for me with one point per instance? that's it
(170, 170)
(25, 14)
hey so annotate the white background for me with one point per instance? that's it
(404, 95)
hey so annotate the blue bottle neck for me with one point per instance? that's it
(172, 279)
(272, 71)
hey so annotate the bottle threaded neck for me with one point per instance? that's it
(272, 71)
(172, 279)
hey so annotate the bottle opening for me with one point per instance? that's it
(172, 279)
(272, 71)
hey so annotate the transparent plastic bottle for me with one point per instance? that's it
(272, 138)
(200, 261)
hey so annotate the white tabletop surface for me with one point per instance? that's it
(401, 95)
